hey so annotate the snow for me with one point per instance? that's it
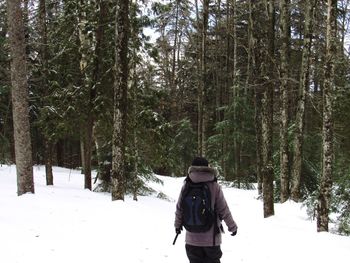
(65, 223)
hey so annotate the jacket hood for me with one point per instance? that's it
(201, 174)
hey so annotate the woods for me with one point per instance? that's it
(132, 88)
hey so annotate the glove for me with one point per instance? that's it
(234, 233)
(178, 230)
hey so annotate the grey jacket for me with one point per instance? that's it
(207, 174)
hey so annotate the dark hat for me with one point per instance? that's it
(199, 161)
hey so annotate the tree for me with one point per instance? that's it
(304, 83)
(120, 99)
(44, 87)
(267, 110)
(255, 48)
(202, 85)
(323, 205)
(88, 89)
(20, 105)
(284, 76)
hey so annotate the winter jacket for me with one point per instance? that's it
(207, 174)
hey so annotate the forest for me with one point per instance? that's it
(131, 88)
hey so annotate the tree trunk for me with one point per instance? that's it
(120, 99)
(327, 130)
(303, 90)
(97, 76)
(23, 149)
(237, 143)
(284, 76)
(267, 112)
(254, 41)
(43, 53)
(136, 182)
(202, 83)
(173, 83)
(48, 162)
(226, 93)
(87, 127)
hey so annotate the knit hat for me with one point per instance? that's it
(199, 161)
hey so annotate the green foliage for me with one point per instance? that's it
(182, 147)
(5, 96)
(237, 125)
(156, 140)
(341, 195)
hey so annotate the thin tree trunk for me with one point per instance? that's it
(97, 79)
(173, 84)
(327, 130)
(135, 180)
(284, 166)
(256, 55)
(303, 90)
(23, 148)
(226, 93)
(267, 113)
(45, 87)
(236, 98)
(82, 150)
(86, 136)
(218, 87)
(48, 162)
(120, 99)
(202, 83)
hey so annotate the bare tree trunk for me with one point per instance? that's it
(267, 113)
(284, 76)
(327, 131)
(97, 76)
(202, 84)
(226, 92)
(87, 127)
(120, 99)
(43, 53)
(48, 162)
(173, 83)
(236, 98)
(256, 57)
(303, 90)
(23, 148)
(136, 182)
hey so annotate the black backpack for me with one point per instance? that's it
(198, 214)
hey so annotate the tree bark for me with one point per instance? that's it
(43, 54)
(87, 126)
(173, 83)
(136, 182)
(255, 46)
(20, 96)
(284, 76)
(202, 83)
(48, 162)
(267, 112)
(120, 99)
(236, 100)
(303, 90)
(327, 129)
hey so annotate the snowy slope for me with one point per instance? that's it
(64, 223)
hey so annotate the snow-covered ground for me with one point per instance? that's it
(65, 223)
